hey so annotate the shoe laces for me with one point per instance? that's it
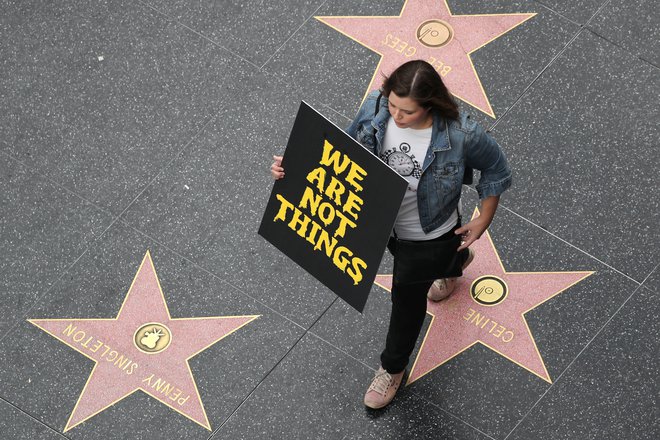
(381, 382)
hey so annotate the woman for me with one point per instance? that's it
(414, 126)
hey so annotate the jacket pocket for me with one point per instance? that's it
(447, 181)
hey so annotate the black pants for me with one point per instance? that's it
(408, 313)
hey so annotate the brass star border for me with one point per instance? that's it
(426, 29)
(460, 321)
(129, 355)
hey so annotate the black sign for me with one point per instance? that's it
(334, 210)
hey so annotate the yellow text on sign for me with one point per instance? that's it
(338, 178)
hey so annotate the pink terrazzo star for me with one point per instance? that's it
(142, 349)
(461, 321)
(427, 30)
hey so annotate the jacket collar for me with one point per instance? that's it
(380, 120)
(439, 133)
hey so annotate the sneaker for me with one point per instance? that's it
(382, 389)
(442, 288)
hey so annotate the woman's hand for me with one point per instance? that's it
(472, 231)
(276, 169)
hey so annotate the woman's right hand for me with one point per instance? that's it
(276, 169)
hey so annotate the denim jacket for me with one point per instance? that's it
(454, 146)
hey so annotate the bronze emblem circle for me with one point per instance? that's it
(434, 33)
(489, 290)
(152, 338)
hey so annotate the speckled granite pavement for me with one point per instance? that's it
(135, 141)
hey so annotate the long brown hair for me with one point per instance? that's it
(419, 81)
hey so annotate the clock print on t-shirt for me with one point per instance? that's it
(401, 161)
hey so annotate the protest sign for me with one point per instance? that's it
(334, 210)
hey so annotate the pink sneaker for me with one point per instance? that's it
(442, 288)
(382, 389)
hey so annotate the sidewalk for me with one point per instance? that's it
(129, 127)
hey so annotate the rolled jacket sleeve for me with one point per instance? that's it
(484, 154)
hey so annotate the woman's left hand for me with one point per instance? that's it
(470, 232)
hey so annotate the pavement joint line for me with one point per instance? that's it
(265, 72)
(56, 184)
(651, 289)
(270, 372)
(212, 117)
(573, 361)
(173, 159)
(292, 35)
(657, 66)
(55, 283)
(175, 155)
(552, 61)
(503, 206)
(572, 245)
(178, 22)
(33, 418)
(312, 333)
(209, 272)
(337, 113)
(79, 131)
(91, 242)
(112, 223)
(450, 414)
(536, 79)
(602, 6)
(556, 12)
(623, 48)
(649, 275)
(416, 394)
(214, 43)
(68, 268)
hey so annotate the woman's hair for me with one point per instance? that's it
(419, 81)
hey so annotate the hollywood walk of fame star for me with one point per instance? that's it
(427, 30)
(488, 307)
(142, 349)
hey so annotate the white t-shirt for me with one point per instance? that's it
(404, 150)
